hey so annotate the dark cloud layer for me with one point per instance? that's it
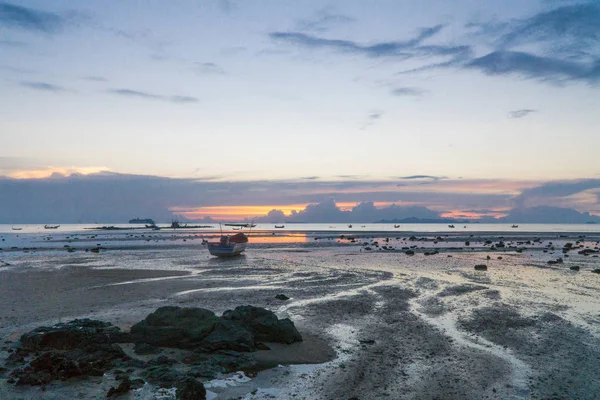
(116, 197)
(15, 16)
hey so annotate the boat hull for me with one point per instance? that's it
(229, 250)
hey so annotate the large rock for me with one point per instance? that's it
(228, 335)
(264, 324)
(175, 327)
(72, 335)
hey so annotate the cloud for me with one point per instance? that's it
(571, 30)
(371, 119)
(118, 197)
(43, 86)
(329, 212)
(558, 46)
(397, 49)
(558, 189)
(182, 99)
(227, 6)
(521, 113)
(12, 43)
(209, 68)
(411, 177)
(323, 21)
(535, 67)
(95, 78)
(14, 16)
(407, 91)
(150, 96)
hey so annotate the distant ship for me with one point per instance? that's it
(279, 226)
(142, 221)
(51, 226)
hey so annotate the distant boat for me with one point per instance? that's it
(396, 226)
(154, 227)
(279, 226)
(228, 246)
(16, 229)
(142, 221)
(51, 226)
(515, 226)
(349, 225)
(450, 226)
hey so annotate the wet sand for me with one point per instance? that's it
(400, 326)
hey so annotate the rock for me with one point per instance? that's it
(161, 360)
(75, 334)
(409, 253)
(264, 324)
(481, 267)
(163, 375)
(124, 387)
(175, 327)
(574, 268)
(596, 271)
(229, 336)
(145, 348)
(206, 370)
(190, 389)
(262, 346)
(52, 365)
(282, 297)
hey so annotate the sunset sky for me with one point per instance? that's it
(346, 99)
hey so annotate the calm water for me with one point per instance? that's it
(80, 228)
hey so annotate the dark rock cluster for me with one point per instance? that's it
(82, 348)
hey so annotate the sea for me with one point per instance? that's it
(308, 228)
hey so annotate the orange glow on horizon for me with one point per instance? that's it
(238, 213)
(458, 214)
(48, 171)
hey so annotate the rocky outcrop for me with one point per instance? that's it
(196, 328)
(84, 347)
(264, 324)
(73, 335)
(56, 365)
(175, 327)
(79, 348)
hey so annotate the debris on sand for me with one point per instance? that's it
(481, 267)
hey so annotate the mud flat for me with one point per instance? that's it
(378, 324)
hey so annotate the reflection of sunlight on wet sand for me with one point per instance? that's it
(286, 238)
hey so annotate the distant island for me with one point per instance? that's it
(141, 221)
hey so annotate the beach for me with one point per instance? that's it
(377, 322)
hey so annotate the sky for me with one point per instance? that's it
(463, 107)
